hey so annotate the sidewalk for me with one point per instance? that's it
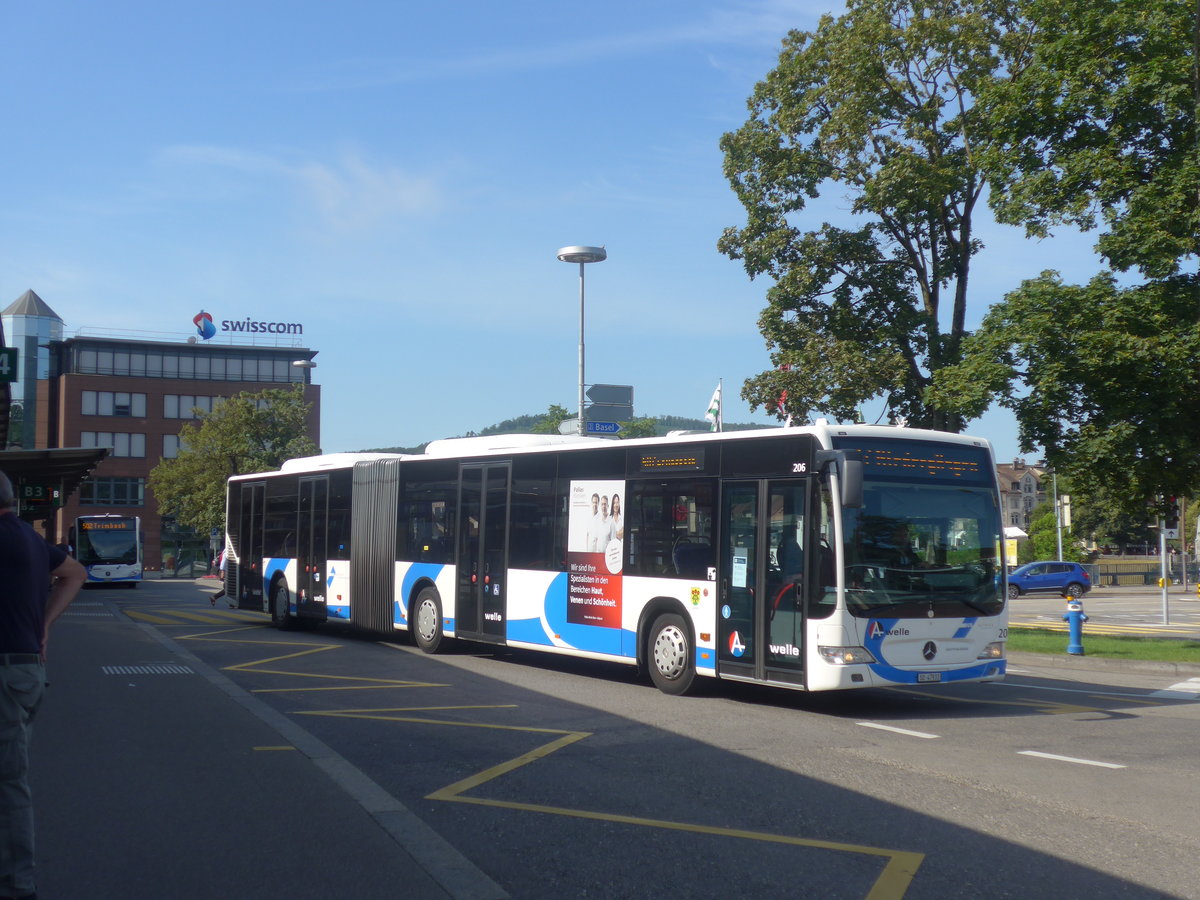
(155, 777)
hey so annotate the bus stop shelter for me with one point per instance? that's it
(43, 479)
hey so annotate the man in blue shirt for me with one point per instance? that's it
(37, 583)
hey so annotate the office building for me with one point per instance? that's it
(132, 396)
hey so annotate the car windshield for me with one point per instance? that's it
(922, 550)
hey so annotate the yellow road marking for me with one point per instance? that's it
(140, 616)
(892, 883)
(1102, 628)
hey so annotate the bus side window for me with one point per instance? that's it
(669, 528)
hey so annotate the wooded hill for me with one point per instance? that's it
(526, 425)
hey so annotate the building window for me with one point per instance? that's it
(272, 368)
(119, 443)
(113, 492)
(113, 403)
(180, 406)
(171, 446)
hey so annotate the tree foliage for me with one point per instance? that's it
(244, 434)
(1099, 129)
(1104, 378)
(878, 104)
(1044, 538)
(550, 422)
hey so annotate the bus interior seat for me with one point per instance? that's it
(691, 560)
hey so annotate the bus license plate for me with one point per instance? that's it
(928, 676)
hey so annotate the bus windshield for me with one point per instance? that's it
(926, 541)
(107, 542)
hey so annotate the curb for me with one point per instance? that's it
(1066, 661)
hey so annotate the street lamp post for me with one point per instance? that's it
(582, 255)
(1057, 517)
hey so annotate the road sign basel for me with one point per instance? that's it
(602, 427)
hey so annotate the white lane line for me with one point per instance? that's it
(1189, 689)
(1071, 759)
(1093, 692)
(919, 734)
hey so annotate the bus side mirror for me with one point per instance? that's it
(848, 467)
(852, 483)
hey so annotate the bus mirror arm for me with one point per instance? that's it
(848, 466)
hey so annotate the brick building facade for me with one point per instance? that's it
(133, 396)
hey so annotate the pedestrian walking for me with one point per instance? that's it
(222, 558)
(38, 581)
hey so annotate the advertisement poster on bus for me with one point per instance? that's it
(595, 540)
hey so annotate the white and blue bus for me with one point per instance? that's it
(109, 547)
(815, 558)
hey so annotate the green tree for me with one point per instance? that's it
(638, 428)
(879, 105)
(1103, 377)
(551, 421)
(16, 424)
(1100, 129)
(245, 433)
(1043, 539)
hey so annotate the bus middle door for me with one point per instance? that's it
(762, 611)
(481, 603)
(312, 556)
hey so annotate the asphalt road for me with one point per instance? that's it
(190, 751)
(1118, 610)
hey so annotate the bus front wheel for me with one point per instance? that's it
(671, 666)
(427, 620)
(281, 606)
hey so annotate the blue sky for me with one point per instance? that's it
(397, 178)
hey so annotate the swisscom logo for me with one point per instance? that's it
(207, 328)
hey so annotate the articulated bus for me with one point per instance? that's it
(814, 558)
(110, 548)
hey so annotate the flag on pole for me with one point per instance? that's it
(714, 408)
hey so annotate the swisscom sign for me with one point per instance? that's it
(206, 327)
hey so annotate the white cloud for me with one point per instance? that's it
(758, 23)
(348, 194)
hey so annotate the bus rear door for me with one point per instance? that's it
(480, 605)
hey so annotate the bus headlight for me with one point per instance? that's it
(846, 656)
(994, 650)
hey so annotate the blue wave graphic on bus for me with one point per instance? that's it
(967, 625)
(418, 571)
(592, 638)
(877, 632)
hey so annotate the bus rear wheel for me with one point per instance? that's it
(671, 665)
(281, 606)
(427, 620)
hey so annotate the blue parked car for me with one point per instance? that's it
(1066, 578)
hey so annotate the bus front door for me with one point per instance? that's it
(761, 616)
(312, 554)
(480, 605)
